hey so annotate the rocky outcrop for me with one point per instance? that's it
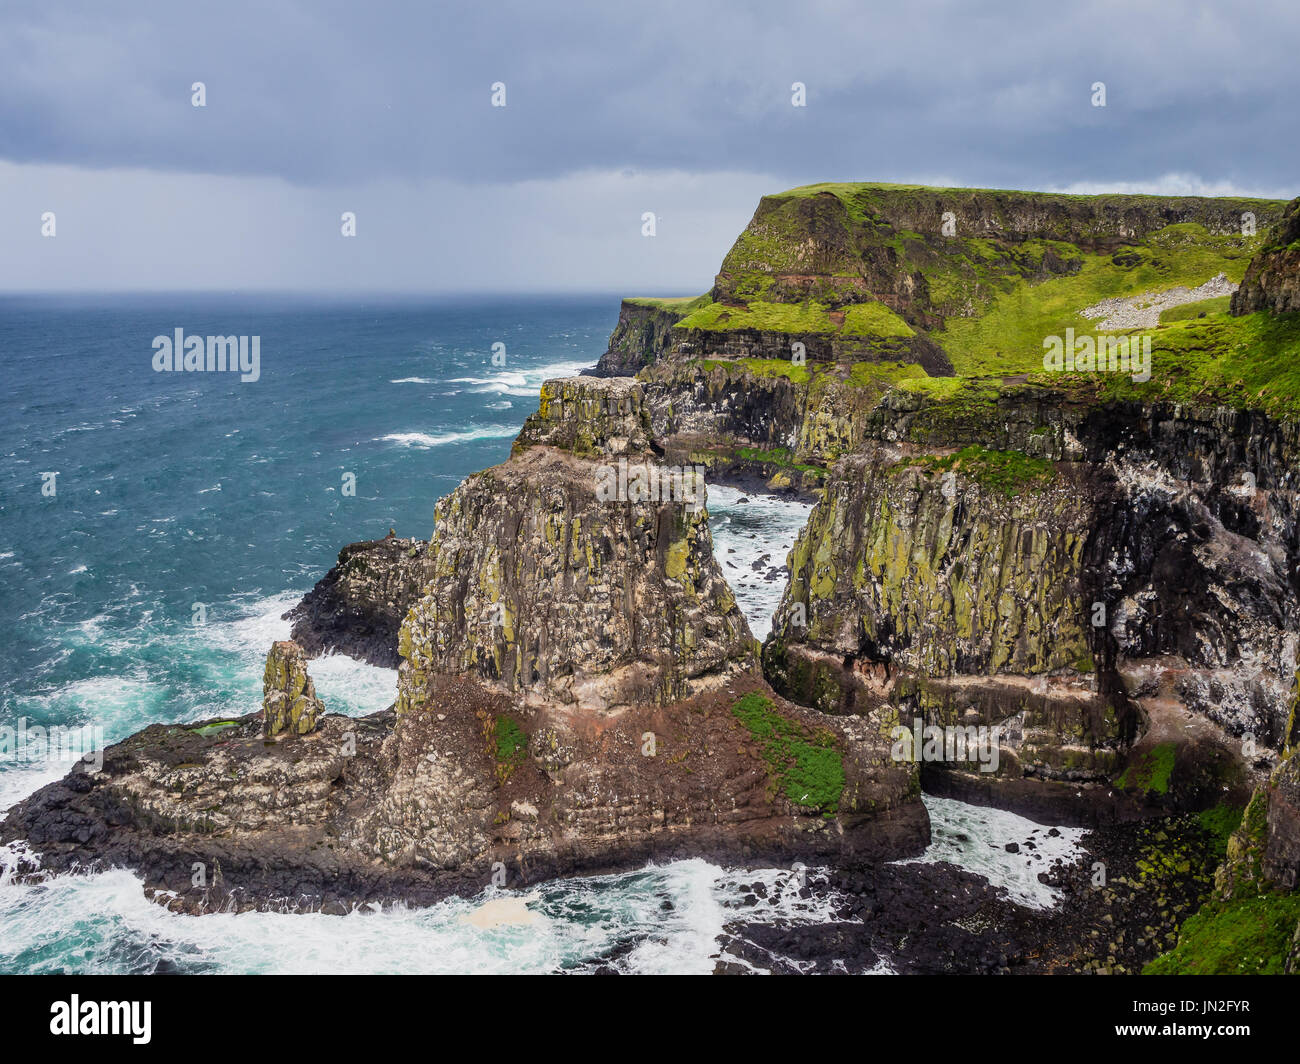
(357, 608)
(934, 253)
(549, 580)
(1272, 280)
(289, 702)
(470, 788)
(1107, 580)
(643, 334)
(1082, 581)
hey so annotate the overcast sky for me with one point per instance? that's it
(385, 109)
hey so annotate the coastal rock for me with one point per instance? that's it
(289, 702)
(358, 607)
(1272, 280)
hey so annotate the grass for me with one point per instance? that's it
(1151, 771)
(764, 367)
(1008, 337)
(807, 317)
(508, 742)
(1200, 309)
(874, 319)
(1247, 936)
(676, 304)
(1007, 472)
(1251, 362)
(808, 768)
(1219, 823)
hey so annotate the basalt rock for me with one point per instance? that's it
(289, 702)
(383, 809)
(1112, 585)
(643, 333)
(1272, 280)
(545, 584)
(357, 608)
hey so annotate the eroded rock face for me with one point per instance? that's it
(469, 783)
(642, 334)
(1272, 280)
(589, 417)
(544, 586)
(1139, 564)
(926, 587)
(289, 702)
(358, 607)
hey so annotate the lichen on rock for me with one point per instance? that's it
(289, 702)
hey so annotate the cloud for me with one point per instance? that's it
(142, 230)
(319, 92)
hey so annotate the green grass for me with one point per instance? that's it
(1008, 337)
(808, 768)
(1251, 362)
(1007, 472)
(677, 304)
(509, 743)
(764, 367)
(807, 317)
(1247, 936)
(1151, 771)
(874, 319)
(1201, 308)
(1219, 823)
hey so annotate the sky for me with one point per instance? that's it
(313, 108)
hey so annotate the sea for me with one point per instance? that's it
(155, 526)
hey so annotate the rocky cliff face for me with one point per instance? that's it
(358, 607)
(1272, 282)
(1085, 582)
(544, 583)
(643, 333)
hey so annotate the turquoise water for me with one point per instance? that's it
(184, 489)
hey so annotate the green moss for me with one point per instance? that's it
(215, 727)
(1008, 472)
(508, 743)
(1200, 309)
(1247, 936)
(1219, 823)
(1151, 771)
(808, 767)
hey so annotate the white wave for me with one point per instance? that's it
(742, 534)
(424, 439)
(412, 380)
(107, 925)
(976, 837)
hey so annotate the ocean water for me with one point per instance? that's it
(191, 510)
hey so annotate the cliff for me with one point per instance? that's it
(1099, 564)
(1272, 282)
(358, 607)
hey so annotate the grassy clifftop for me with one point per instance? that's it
(983, 276)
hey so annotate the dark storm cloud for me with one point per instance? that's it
(319, 93)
